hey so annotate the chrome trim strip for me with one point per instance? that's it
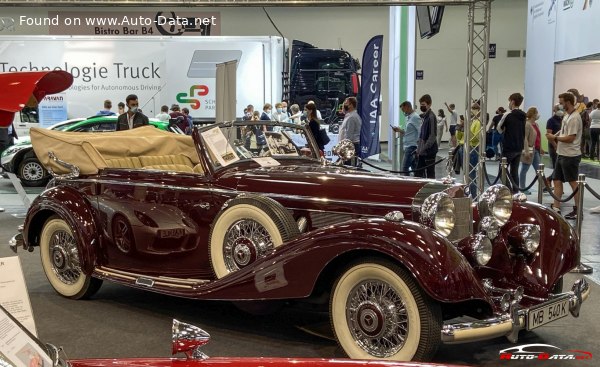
(159, 280)
(236, 192)
(74, 170)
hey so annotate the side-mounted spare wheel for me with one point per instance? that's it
(378, 311)
(249, 228)
(61, 262)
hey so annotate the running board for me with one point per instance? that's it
(149, 281)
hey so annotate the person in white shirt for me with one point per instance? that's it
(595, 131)
(164, 114)
(453, 121)
(296, 114)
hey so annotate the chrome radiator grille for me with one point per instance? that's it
(463, 226)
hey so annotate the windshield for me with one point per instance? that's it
(265, 142)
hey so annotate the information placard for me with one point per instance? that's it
(17, 347)
(13, 292)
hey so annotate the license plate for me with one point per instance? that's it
(545, 314)
(171, 233)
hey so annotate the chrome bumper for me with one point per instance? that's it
(17, 240)
(510, 323)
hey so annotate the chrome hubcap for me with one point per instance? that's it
(377, 318)
(245, 241)
(64, 257)
(32, 171)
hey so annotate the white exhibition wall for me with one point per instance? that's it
(585, 76)
(443, 58)
(559, 31)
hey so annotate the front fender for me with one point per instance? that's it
(70, 205)
(294, 269)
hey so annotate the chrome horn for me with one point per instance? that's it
(188, 339)
(344, 150)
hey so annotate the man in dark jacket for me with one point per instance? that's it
(133, 118)
(427, 147)
(512, 126)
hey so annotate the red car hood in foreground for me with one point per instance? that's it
(16, 90)
(242, 362)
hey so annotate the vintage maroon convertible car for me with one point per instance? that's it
(248, 211)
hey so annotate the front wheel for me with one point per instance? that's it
(61, 263)
(378, 311)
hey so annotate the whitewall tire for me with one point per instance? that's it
(61, 262)
(249, 228)
(379, 312)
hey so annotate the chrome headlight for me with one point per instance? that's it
(490, 227)
(496, 201)
(437, 211)
(525, 237)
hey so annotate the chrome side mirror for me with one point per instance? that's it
(188, 339)
(345, 150)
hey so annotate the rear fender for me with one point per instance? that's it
(70, 205)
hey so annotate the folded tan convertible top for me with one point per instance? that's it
(89, 151)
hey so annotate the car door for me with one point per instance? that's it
(156, 222)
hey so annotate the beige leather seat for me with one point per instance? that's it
(171, 168)
(155, 160)
(128, 162)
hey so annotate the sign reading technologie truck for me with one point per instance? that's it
(159, 72)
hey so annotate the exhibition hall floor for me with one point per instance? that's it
(124, 322)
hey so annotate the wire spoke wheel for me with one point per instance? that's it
(377, 317)
(245, 241)
(61, 261)
(65, 257)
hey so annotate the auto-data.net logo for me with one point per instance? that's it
(195, 90)
(543, 352)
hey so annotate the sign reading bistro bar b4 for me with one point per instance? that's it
(131, 24)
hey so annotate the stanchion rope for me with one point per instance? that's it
(400, 172)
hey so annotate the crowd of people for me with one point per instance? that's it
(573, 133)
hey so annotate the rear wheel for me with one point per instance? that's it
(379, 312)
(32, 173)
(60, 260)
(250, 228)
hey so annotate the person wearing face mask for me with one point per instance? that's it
(552, 127)
(475, 130)
(595, 132)
(132, 118)
(351, 125)
(410, 137)
(248, 112)
(280, 114)
(427, 147)
(512, 126)
(266, 114)
(296, 116)
(532, 151)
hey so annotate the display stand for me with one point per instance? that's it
(16, 182)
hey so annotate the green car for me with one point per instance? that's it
(21, 160)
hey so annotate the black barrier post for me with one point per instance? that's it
(580, 268)
(540, 174)
(504, 164)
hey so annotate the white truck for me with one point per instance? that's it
(159, 70)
